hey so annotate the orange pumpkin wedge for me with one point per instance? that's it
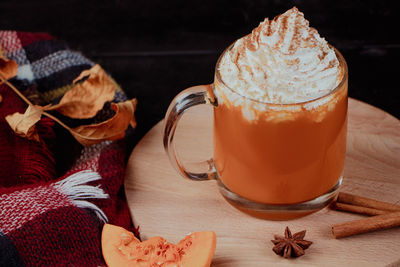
(121, 248)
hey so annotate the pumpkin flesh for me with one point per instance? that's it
(121, 248)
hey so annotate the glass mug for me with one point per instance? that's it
(274, 161)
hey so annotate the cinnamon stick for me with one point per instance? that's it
(365, 225)
(357, 209)
(347, 198)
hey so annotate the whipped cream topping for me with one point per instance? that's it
(282, 61)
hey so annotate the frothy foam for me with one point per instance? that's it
(282, 61)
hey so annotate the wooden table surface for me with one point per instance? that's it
(163, 203)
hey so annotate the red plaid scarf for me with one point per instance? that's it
(51, 211)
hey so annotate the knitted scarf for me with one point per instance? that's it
(55, 195)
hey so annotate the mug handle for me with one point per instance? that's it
(193, 96)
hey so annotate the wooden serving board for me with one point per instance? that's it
(165, 204)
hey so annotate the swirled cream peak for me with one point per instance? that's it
(282, 61)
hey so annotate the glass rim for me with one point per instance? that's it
(342, 63)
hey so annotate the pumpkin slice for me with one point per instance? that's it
(121, 248)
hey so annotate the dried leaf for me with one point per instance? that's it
(111, 129)
(85, 99)
(24, 124)
(8, 68)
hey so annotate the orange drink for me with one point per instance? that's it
(283, 154)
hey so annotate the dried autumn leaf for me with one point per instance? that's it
(111, 129)
(24, 124)
(8, 68)
(85, 99)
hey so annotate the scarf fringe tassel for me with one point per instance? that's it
(75, 187)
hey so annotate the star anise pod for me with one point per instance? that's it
(290, 245)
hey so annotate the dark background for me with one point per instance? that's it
(154, 49)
